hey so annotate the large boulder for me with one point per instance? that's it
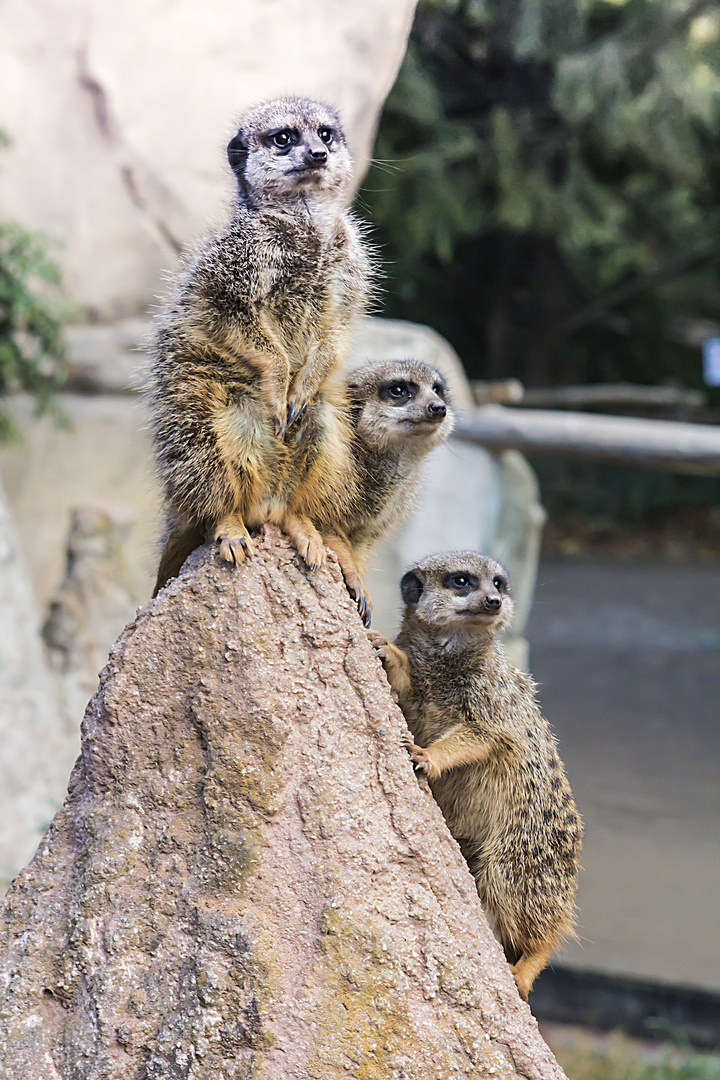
(119, 115)
(247, 880)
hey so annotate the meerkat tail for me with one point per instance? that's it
(178, 546)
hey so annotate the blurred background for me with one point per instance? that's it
(542, 178)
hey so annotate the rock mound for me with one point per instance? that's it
(246, 879)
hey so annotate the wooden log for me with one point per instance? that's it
(647, 444)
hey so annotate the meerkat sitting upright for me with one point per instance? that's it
(400, 410)
(489, 755)
(259, 321)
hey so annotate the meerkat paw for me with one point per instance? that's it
(363, 601)
(520, 981)
(235, 543)
(312, 550)
(299, 397)
(295, 408)
(356, 588)
(418, 756)
(392, 658)
(306, 538)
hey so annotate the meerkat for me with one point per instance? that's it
(260, 318)
(488, 753)
(400, 410)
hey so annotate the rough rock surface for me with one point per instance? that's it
(133, 104)
(247, 880)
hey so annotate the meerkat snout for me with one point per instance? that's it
(401, 403)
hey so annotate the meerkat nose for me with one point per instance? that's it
(436, 408)
(317, 157)
(492, 603)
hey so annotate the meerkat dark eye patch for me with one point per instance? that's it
(326, 134)
(397, 392)
(284, 138)
(500, 583)
(462, 584)
(411, 588)
(439, 389)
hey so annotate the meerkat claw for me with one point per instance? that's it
(235, 550)
(418, 756)
(293, 411)
(280, 426)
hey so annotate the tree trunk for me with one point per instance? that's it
(247, 880)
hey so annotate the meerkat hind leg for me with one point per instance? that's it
(528, 967)
(306, 539)
(234, 539)
(352, 575)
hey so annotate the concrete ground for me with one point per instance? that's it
(628, 661)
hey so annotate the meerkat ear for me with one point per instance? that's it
(411, 588)
(237, 153)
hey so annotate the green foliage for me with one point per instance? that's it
(547, 181)
(32, 351)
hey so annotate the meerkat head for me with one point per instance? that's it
(400, 402)
(290, 147)
(459, 591)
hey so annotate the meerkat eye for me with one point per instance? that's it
(463, 583)
(397, 392)
(283, 139)
(439, 389)
(326, 134)
(499, 583)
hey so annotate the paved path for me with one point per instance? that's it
(628, 662)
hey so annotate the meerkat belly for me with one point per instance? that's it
(471, 800)
(248, 443)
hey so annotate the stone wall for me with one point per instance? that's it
(119, 116)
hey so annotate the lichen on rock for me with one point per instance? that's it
(246, 879)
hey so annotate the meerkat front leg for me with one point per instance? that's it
(396, 664)
(321, 362)
(458, 746)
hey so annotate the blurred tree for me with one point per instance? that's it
(32, 350)
(546, 188)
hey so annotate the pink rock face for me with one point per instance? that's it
(247, 880)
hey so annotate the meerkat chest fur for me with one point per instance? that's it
(460, 686)
(282, 277)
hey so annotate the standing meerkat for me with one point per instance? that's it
(490, 757)
(260, 319)
(399, 410)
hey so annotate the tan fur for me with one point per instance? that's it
(244, 352)
(489, 755)
(388, 439)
